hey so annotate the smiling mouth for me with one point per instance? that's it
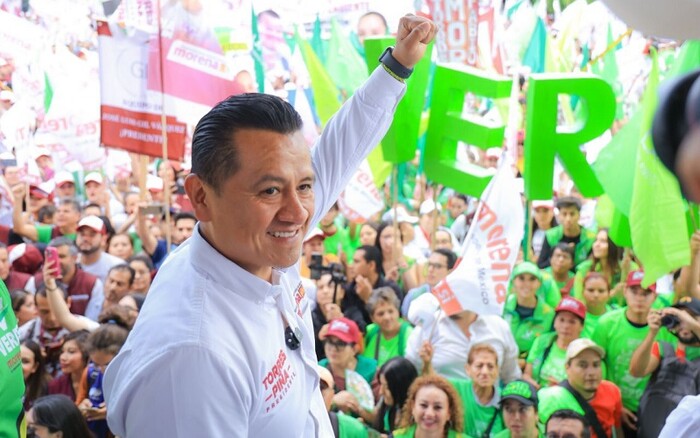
(283, 234)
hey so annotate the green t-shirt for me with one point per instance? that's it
(619, 338)
(592, 322)
(552, 365)
(554, 398)
(11, 377)
(43, 233)
(350, 427)
(476, 416)
(525, 331)
(506, 433)
(388, 348)
(410, 432)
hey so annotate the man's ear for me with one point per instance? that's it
(199, 195)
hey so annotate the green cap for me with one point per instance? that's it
(527, 268)
(521, 391)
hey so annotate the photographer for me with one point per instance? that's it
(675, 366)
(313, 246)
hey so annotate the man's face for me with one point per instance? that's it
(66, 215)
(561, 261)
(12, 175)
(564, 428)
(88, 240)
(584, 371)
(48, 320)
(520, 419)
(262, 213)
(36, 202)
(639, 300)
(437, 269)
(131, 202)
(443, 240)
(66, 259)
(569, 217)
(313, 246)
(4, 264)
(93, 191)
(360, 266)
(65, 190)
(183, 230)
(116, 285)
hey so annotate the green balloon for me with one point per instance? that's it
(544, 139)
(447, 126)
(401, 140)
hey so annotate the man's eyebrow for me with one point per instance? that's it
(269, 178)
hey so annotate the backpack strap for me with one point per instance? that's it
(487, 432)
(590, 413)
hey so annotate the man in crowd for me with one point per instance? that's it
(157, 249)
(367, 266)
(65, 223)
(440, 263)
(91, 239)
(427, 224)
(65, 185)
(569, 231)
(566, 423)
(519, 404)
(85, 289)
(619, 333)
(584, 391)
(118, 284)
(257, 191)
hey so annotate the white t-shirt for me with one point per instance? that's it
(207, 356)
(451, 347)
(101, 267)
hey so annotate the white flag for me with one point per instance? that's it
(361, 199)
(480, 280)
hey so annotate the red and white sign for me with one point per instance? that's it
(480, 281)
(361, 199)
(458, 26)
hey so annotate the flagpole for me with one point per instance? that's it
(167, 192)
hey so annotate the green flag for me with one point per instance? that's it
(48, 93)
(345, 65)
(657, 213)
(535, 53)
(611, 74)
(326, 95)
(256, 53)
(317, 42)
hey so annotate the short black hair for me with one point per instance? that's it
(124, 268)
(568, 414)
(565, 247)
(569, 201)
(58, 413)
(214, 154)
(184, 215)
(373, 254)
(451, 256)
(45, 212)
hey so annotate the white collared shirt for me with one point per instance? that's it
(207, 356)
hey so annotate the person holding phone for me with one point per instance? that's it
(257, 189)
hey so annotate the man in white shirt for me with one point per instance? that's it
(224, 345)
(91, 237)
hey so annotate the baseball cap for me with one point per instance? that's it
(579, 345)
(39, 192)
(428, 206)
(93, 222)
(690, 303)
(344, 329)
(527, 268)
(520, 390)
(63, 177)
(154, 183)
(94, 177)
(25, 258)
(400, 216)
(543, 204)
(316, 232)
(634, 278)
(570, 304)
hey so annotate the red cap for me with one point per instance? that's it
(344, 329)
(25, 258)
(572, 305)
(634, 278)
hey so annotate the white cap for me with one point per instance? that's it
(543, 204)
(93, 222)
(40, 152)
(62, 177)
(428, 206)
(7, 95)
(316, 232)
(422, 310)
(94, 177)
(401, 216)
(154, 183)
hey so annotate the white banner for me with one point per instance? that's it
(480, 281)
(361, 199)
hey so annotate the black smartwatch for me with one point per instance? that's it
(392, 64)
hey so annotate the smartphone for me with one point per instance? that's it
(154, 209)
(51, 255)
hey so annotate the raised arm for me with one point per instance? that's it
(19, 225)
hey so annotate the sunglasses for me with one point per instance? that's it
(337, 343)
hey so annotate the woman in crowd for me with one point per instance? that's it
(606, 258)
(433, 409)
(24, 306)
(120, 245)
(368, 233)
(547, 358)
(326, 309)
(395, 377)
(396, 265)
(73, 360)
(143, 268)
(56, 416)
(543, 215)
(596, 293)
(103, 345)
(36, 379)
